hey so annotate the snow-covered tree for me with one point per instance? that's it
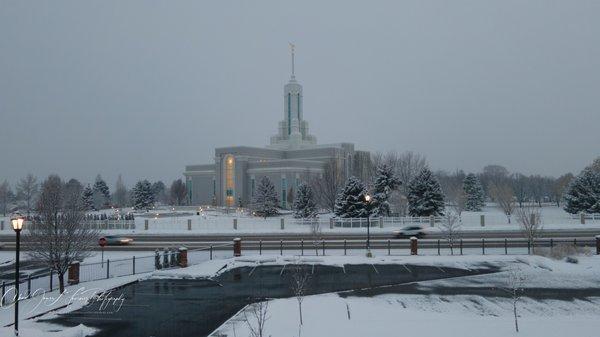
(474, 194)
(101, 193)
(385, 183)
(583, 193)
(87, 198)
(265, 198)
(350, 203)
(304, 202)
(143, 195)
(425, 195)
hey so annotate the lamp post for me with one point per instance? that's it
(17, 225)
(368, 208)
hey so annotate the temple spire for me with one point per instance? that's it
(292, 50)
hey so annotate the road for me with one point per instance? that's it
(471, 238)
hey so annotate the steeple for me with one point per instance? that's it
(293, 130)
(292, 51)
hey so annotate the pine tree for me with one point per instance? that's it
(88, 198)
(474, 193)
(304, 202)
(350, 202)
(384, 184)
(143, 195)
(425, 195)
(583, 193)
(102, 192)
(265, 198)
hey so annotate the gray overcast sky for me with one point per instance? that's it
(144, 88)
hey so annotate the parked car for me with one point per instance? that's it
(116, 240)
(408, 231)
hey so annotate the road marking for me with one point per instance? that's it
(405, 267)
(252, 271)
(372, 265)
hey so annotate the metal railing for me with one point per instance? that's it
(47, 280)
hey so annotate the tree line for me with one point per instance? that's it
(97, 196)
(403, 184)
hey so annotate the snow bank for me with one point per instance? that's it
(77, 331)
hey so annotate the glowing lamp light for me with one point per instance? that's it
(367, 198)
(17, 223)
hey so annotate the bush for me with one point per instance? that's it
(563, 251)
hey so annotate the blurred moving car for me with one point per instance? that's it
(116, 240)
(408, 231)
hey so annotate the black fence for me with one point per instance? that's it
(46, 280)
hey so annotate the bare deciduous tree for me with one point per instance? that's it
(120, 194)
(329, 184)
(299, 287)
(5, 196)
(58, 237)
(450, 227)
(515, 288)
(315, 232)
(407, 165)
(27, 188)
(503, 194)
(529, 218)
(256, 316)
(178, 192)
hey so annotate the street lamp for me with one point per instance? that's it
(368, 207)
(17, 225)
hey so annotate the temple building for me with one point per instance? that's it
(293, 156)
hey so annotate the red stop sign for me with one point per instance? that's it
(102, 242)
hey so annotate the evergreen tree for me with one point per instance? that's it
(88, 198)
(102, 193)
(583, 193)
(473, 193)
(350, 203)
(265, 198)
(425, 195)
(304, 202)
(143, 195)
(384, 184)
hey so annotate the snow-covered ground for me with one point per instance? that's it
(215, 221)
(381, 315)
(396, 314)
(426, 316)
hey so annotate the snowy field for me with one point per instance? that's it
(345, 315)
(216, 221)
(426, 316)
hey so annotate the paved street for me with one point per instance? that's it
(471, 238)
